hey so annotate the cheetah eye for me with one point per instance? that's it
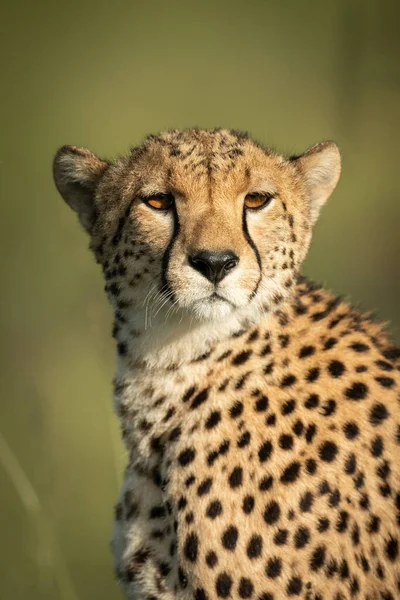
(257, 200)
(160, 201)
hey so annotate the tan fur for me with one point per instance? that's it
(263, 429)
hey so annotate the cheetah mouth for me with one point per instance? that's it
(213, 307)
(214, 298)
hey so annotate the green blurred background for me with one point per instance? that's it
(102, 75)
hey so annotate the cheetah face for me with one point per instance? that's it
(198, 223)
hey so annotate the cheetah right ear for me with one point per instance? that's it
(320, 166)
(77, 172)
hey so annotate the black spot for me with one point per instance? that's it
(355, 535)
(288, 407)
(286, 442)
(164, 569)
(254, 547)
(373, 524)
(350, 464)
(122, 348)
(182, 578)
(246, 588)
(291, 473)
(336, 368)
(359, 347)
(357, 391)
(284, 340)
(306, 502)
(200, 594)
(312, 375)
(378, 414)
(230, 537)
(317, 558)
(190, 480)
(175, 434)
(386, 382)
(214, 509)
(266, 350)
(242, 380)
(266, 483)
(298, 428)
(310, 432)
(383, 470)
(223, 585)
(385, 366)
(311, 466)
(236, 409)
(211, 559)
(269, 368)
(342, 521)
(351, 430)
(199, 399)
(330, 343)
(191, 547)
(186, 456)
(157, 512)
(312, 401)
(354, 586)
(306, 351)
(265, 451)
(213, 419)
(294, 587)
(248, 504)
(392, 353)
(392, 548)
(377, 446)
(280, 537)
(242, 357)
(272, 512)
(328, 451)
(188, 394)
(344, 569)
(261, 404)
(236, 477)
(323, 524)
(244, 440)
(288, 381)
(204, 487)
(274, 567)
(301, 537)
(328, 408)
(334, 498)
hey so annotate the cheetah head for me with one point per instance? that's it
(198, 223)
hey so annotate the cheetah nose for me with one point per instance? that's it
(214, 265)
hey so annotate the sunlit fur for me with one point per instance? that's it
(282, 394)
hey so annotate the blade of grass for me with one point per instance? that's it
(48, 549)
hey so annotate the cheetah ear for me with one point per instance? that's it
(77, 172)
(320, 166)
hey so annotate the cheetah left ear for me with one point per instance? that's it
(320, 166)
(77, 172)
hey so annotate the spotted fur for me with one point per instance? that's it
(261, 413)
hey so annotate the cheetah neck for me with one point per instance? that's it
(180, 341)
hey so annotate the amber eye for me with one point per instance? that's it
(160, 201)
(257, 200)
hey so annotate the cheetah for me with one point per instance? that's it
(260, 413)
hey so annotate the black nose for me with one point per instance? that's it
(214, 265)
